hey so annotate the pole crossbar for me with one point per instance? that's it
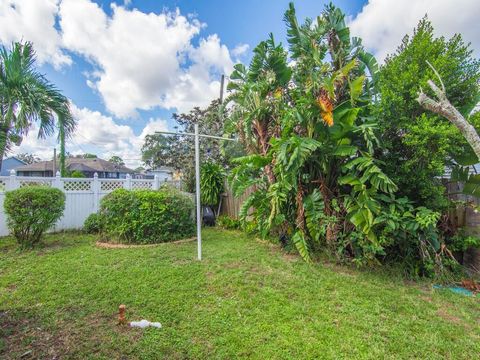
(193, 134)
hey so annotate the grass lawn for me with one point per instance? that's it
(245, 299)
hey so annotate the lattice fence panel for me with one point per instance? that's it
(111, 185)
(142, 184)
(35, 182)
(77, 185)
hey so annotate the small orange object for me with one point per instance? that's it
(122, 320)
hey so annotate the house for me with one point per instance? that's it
(9, 164)
(90, 166)
(163, 173)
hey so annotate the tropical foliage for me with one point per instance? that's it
(212, 178)
(311, 139)
(27, 97)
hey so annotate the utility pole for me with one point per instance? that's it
(54, 161)
(222, 84)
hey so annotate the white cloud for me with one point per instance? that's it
(135, 54)
(382, 23)
(98, 134)
(33, 20)
(240, 50)
(140, 60)
(138, 57)
(199, 84)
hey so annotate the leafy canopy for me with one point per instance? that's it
(418, 145)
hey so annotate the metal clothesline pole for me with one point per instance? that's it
(197, 137)
(197, 193)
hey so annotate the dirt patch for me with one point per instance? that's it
(105, 245)
(24, 336)
(233, 265)
(426, 298)
(444, 314)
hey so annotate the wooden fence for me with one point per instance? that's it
(465, 215)
(230, 204)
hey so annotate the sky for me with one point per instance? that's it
(127, 65)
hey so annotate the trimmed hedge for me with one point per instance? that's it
(146, 216)
(31, 211)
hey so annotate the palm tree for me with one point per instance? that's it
(27, 97)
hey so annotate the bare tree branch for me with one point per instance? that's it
(443, 107)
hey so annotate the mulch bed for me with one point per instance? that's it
(105, 245)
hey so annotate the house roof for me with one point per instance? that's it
(14, 158)
(80, 164)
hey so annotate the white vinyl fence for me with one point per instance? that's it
(83, 195)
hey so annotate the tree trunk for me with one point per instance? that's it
(62, 150)
(331, 234)
(3, 142)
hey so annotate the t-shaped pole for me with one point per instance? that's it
(197, 137)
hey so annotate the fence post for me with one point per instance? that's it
(13, 180)
(96, 192)
(128, 182)
(156, 182)
(58, 181)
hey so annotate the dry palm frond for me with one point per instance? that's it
(326, 107)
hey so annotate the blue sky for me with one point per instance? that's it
(128, 65)
(236, 22)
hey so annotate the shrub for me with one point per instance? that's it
(227, 222)
(77, 174)
(147, 216)
(31, 211)
(211, 183)
(93, 223)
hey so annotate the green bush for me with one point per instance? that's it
(212, 179)
(93, 223)
(31, 211)
(147, 216)
(77, 174)
(227, 222)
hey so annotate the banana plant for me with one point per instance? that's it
(307, 128)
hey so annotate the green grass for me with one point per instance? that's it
(246, 299)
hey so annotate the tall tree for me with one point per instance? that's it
(117, 160)
(418, 144)
(27, 97)
(86, 156)
(177, 151)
